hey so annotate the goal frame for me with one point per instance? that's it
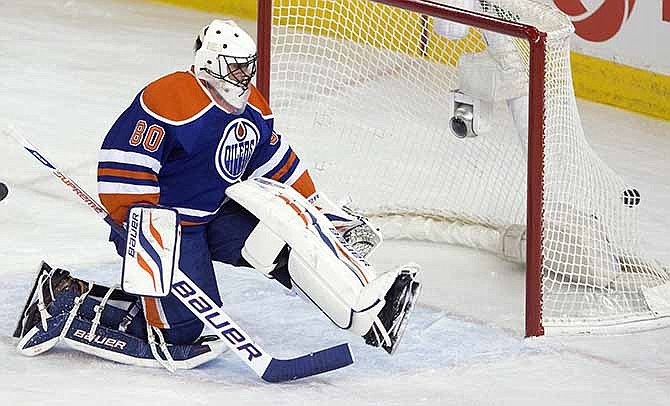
(536, 116)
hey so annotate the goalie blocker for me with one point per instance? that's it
(322, 265)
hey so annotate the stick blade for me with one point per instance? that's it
(329, 359)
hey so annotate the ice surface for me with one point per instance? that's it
(70, 67)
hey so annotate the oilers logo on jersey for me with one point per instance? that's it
(235, 148)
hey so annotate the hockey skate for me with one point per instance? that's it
(391, 322)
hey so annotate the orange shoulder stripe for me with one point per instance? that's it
(176, 97)
(257, 100)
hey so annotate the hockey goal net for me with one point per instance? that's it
(374, 91)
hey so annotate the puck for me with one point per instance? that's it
(631, 197)
(3, 191)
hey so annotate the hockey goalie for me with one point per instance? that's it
(194, 172)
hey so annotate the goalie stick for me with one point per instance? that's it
(267, 367)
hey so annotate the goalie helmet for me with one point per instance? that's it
(225, 59)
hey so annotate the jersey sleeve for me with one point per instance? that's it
(130, 160)
(274, 158)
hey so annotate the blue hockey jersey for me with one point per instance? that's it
(175, 146)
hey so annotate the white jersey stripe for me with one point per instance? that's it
(130, 158)
(127, 189)
(272, 162)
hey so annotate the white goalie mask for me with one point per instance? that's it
(225, 59)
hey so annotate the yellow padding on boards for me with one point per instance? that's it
(403, 32)
(621, 86)
(239, 8)
(595, 79)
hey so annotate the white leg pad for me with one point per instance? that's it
(261, 249)
(336, 279)
(345, 301)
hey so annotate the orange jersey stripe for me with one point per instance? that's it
(192, 223)
(117, 204)
(151, 312)
(257, 100)
(304, 185)
(282, 171)
(121, 173)
(176, 97)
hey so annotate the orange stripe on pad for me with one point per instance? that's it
(143, 264)
(121, 173)
(353, 263)
(295, 209)
(155, 234)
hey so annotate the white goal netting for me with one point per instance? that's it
(364, 92)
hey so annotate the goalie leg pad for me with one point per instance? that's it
(335, 278)
(117, 346)
(124, 348)
(262, 248)
(347, 305)
(101, 321)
